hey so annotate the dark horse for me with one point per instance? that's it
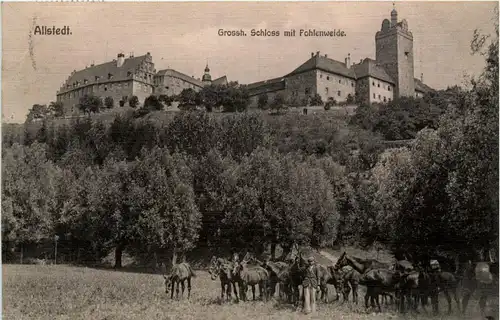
(222, 268)
(480, 276)
(346, 279)
(362, 266)
(378, 282)
(181, 273)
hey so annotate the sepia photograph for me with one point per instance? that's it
(250, 160)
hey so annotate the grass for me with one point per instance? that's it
(67, 292)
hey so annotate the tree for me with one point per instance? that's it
(90, 103)
(109, 102)
(188, 99)
(235, 99)
(153, 103)
(56, 108)
(330, 103)
(263, 101)
(29, 194)
(316, 100)
(278, 102)
(133, 102)
(37, 112)
(350, 99)
(166, 100)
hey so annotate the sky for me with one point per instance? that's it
(184, 36)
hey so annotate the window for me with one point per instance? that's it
(97, 78)
(338, 93)
(389, 88)
(379, 97)
(320, 76)
(373, 83)
(308, 91)
(378, 84)
(374, 96)
(407, 55)
(105, 89)
(389, 99)
(352, 83)
(326, 90)
(385, 99)
(340, 80)
(327, 78)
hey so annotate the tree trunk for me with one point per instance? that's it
(273, 251)
(174, 258)
(22, 252)
(118, 256)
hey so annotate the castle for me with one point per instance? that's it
(123, 78)
(390, 75)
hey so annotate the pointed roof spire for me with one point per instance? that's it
(394, 12)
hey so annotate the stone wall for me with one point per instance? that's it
(301, 85)
(333, 85)
(169, 85)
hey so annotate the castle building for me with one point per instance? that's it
(123, 78)
(390, 75)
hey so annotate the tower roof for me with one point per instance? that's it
(207, 69)
(394, 12)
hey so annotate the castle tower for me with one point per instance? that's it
(207, 78)
(394, 51)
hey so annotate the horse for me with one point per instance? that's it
(362, 266)
(252, 276)
(481, 276)
(346, 279)
(275, 269)
(377, 282)
(222, 268)
(181, 273)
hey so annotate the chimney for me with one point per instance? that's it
(422, 77)
(120, 60)
(312, 54)
(348, 61)
(326, 56)
(317, 53)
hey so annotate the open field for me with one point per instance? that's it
(66, 292)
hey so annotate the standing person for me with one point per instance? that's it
(310, 285)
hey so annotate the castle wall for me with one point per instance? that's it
(386, 53)
(301, 85)
(117, 90)
(394, 51)
(333, 85)
(406, 82)
(380, 91)
(169, 85)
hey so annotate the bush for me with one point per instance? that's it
(330, 103)
(316, 100)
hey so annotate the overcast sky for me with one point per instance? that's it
(183, 36)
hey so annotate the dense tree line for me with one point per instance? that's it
(249, 181)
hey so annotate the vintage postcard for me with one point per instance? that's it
(249, 160)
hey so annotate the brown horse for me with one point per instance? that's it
(251, 276)
(222, 268)
(181, 273)
(480, 276)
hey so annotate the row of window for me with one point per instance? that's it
(339, 93)
(341, 81)
(105, 87)
(379, 97)
(378, 85)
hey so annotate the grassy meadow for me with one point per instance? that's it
(68, 292)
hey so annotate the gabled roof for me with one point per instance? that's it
(421, 87)
(179, 75)
(270, 85)
(102, 71)
(325, 64)
(221, 80)
(369, 68)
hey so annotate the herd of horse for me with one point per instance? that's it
(404, 281)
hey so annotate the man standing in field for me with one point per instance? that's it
(310, 285)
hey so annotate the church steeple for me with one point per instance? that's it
(207, 78)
